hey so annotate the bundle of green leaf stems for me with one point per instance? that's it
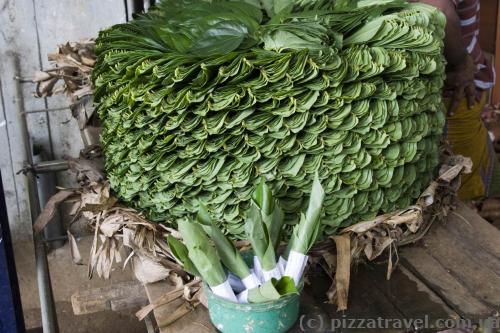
(268, 280)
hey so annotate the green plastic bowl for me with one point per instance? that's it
(269, 317)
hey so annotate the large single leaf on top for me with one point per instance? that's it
(222, 37)
(204, 29)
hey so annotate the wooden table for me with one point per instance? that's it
(454, 272)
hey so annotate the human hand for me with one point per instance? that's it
(460, 79)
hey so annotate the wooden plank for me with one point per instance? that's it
(460, 261)
(472, 245)
(434, 275)
(310, 309)
(468, 264)
(478, 231)
(120, 296)
(196, 321)
(365, 300)
(409, 295)
(443, 310)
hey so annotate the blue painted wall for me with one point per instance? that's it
(11, 315)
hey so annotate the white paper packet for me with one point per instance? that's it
(295, 266)
(282, 265)
(251, 281)
(243, 296)
(273, 273)
(257, 269)
(236, 283)
(225, 291)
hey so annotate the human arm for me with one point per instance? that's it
(461, 68)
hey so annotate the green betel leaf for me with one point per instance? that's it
(264, 293)
(272, 290)
(229, 255)
(223, 37)
(259, 237)
(306, 232)
(268, 6)
(272, 215)
(286, 286)
(180, 253)
(201, 253)
(263, 197)
(282, 5)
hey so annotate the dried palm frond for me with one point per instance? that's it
(73, 63)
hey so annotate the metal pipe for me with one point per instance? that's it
(50, 166)
(56, 239)
(63, 108)
(47, 183)
(47, 306)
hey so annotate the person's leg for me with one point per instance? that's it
(468, 136)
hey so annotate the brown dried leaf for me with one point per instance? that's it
(88, 61)
(342, 276)
(50, 208)
(111, 225)
(380, 245)
(203, 298)
(147, 270)
(87, 171)
(44, 88)
(180, 312)
(368, 249)
(75, 251)
(330, 259)
(176, 280)
(78, 93)
(427, 197)
(166, 298)
(40, 76)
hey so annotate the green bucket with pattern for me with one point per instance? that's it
(269, 317)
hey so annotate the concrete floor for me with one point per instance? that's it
(67, 278)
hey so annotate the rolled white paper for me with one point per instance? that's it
(273, 273)
(282, 265)
(257, 268)
(236, 283)
(295, 266)
(225, 291)
(251, 281)
(243, 296)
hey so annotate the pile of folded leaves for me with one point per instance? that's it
(200, 99)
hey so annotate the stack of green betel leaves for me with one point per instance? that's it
(206, 252)
(200, 99)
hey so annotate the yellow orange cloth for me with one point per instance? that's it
(469, 137)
